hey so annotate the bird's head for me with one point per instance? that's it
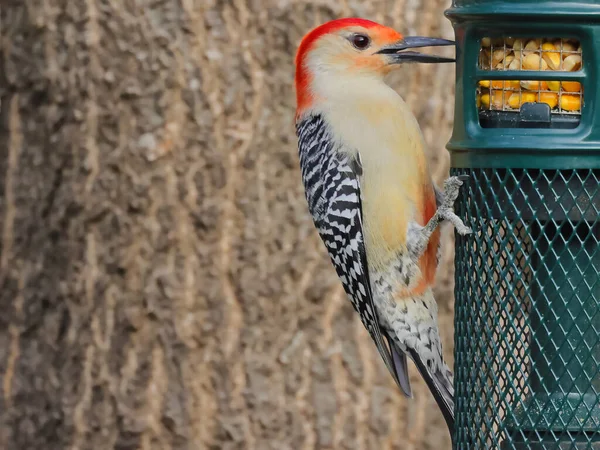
(351, 49)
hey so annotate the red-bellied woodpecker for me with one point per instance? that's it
(370, 192)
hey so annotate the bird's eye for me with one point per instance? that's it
(360, 41)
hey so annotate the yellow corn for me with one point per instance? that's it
(553, 85)
(512, 84)
(498, 84)
(485, 100)
(518, 44)
(496, 99)
(478, 100)
(505, 63)
(566, 47)
(518, 48)
(551, 56)
(484, 83)
(550, 98)
(571, 86)
(570, 102)
(516, 100)
(515, 64)
(528, 97)
(532, 45)
(532, 85)
(534, 62)
(513, 101)
(486, 42)
(497, 57)
(572, 63)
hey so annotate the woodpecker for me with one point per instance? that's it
(370, 192)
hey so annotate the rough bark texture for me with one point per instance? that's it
(161, 283)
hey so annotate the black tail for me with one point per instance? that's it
(400, 366)
(440, 385)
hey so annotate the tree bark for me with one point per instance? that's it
(161, 283)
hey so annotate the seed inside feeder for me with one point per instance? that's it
(530, 54)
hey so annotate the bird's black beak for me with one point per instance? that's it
(397, 55)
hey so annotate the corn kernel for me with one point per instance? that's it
(478, 100)
(512, 84)
(548, 46)
(515, 64)
(497, 99)
(484, 83)
(550, 56)
(534, 62)
(532, 85)
(571, 86)
(505, 63)
(498, 56)
(486, 42)
(550, 98)
(553, 85)
(572, 63)
(565, 46)
(513, 101)
(532, 45)
(528, 97)
(498, 84)
(517, 99)
(518, 48)
(485, 100)
(518, 44)
(570, 102)
(484, 59)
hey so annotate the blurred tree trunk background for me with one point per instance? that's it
(161, 283)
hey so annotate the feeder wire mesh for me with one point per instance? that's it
(527, 336)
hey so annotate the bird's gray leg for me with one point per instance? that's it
(418, 236)
(446, 209)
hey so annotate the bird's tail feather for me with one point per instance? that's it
(440, 385)
(400, 367)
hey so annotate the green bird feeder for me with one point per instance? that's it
(527, 132)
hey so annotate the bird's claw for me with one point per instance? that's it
(448, 214)
(446, 210)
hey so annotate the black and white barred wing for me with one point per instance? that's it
(332, 184)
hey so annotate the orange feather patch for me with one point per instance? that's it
(428, 262)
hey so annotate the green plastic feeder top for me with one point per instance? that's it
(532, 106)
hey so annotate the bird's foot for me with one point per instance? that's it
(446, 209)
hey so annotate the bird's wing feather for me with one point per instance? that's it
(332, 184)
